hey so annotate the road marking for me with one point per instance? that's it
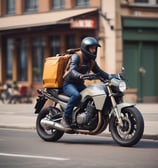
(33, 156)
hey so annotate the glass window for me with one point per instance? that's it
(82, 3)
(141, 1)
(150, 2)
(55, 45)
(9, 59)
(38, 58)
(22, 60)
(10, 7)
(70, 41)
(30, 5)
(58, 4)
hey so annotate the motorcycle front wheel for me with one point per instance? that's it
(132, 130)
(47, 134)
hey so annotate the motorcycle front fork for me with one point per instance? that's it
(114, 105)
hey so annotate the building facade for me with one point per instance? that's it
(31, 30)
(140, 47)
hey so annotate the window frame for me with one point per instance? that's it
(38, 50)
(82, 3)
(22, 60)
(150, 2)
(55, 44)
(10, 7)
(30, 6)
(9, 58)
(70, 41)
(58, 4)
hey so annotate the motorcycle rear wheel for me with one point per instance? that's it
(132, 130)
(47, 134)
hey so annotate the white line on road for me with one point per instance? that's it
(34, 157)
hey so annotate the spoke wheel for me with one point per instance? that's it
(48, 134)
(132, 130)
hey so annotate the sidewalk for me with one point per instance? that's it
(22, 116)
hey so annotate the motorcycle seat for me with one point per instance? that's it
(58, 93)
(63, 98)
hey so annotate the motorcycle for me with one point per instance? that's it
(101, 105)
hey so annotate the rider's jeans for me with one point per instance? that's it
(73, 91)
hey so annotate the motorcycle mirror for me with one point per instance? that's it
(123, 69)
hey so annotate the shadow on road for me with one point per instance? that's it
(149, 144)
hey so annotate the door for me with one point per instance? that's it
(148, 75)
(140, 62)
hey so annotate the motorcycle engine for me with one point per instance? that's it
(84, 117)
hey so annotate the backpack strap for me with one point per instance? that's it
(67, 69)
(91, 64)
(79, 53)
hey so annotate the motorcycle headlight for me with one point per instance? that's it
(122, 86)
(118, 85)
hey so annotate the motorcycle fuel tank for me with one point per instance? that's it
(98, 94)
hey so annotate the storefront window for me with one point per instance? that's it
(22, 60)
(149, 2)
(58, 4)
(10, 7)
(55, 45)
(82, 3)
(9, 59)
(70, 41)
(30, 5)
(38, 58)
(141, 1)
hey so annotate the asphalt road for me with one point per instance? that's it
(23, 148)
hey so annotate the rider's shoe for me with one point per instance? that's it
(66, 123)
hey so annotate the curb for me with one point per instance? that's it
(151, 137)
(145, 136)
(18, 127)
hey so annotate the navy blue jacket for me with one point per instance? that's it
(76, 70)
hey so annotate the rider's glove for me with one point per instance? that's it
(87, 76)
(111, 76)
(91, 77)
(82, 76)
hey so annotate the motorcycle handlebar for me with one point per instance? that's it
(93, 77)
(89, 76)
(98, 77)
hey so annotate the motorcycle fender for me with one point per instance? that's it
(124, 105)
(39, 103)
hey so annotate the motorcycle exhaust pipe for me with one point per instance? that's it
(51, 124)
(47, 124)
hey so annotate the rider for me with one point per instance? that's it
(73, 82)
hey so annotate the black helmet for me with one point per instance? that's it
(86, 43)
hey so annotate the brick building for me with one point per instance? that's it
(31, 30)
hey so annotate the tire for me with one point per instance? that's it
(132, 130)
(47, 134)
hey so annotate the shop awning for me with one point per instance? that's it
(40, 19)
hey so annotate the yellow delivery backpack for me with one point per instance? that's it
(54, 70)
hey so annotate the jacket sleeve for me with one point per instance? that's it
(97, 70)
(74, 66)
